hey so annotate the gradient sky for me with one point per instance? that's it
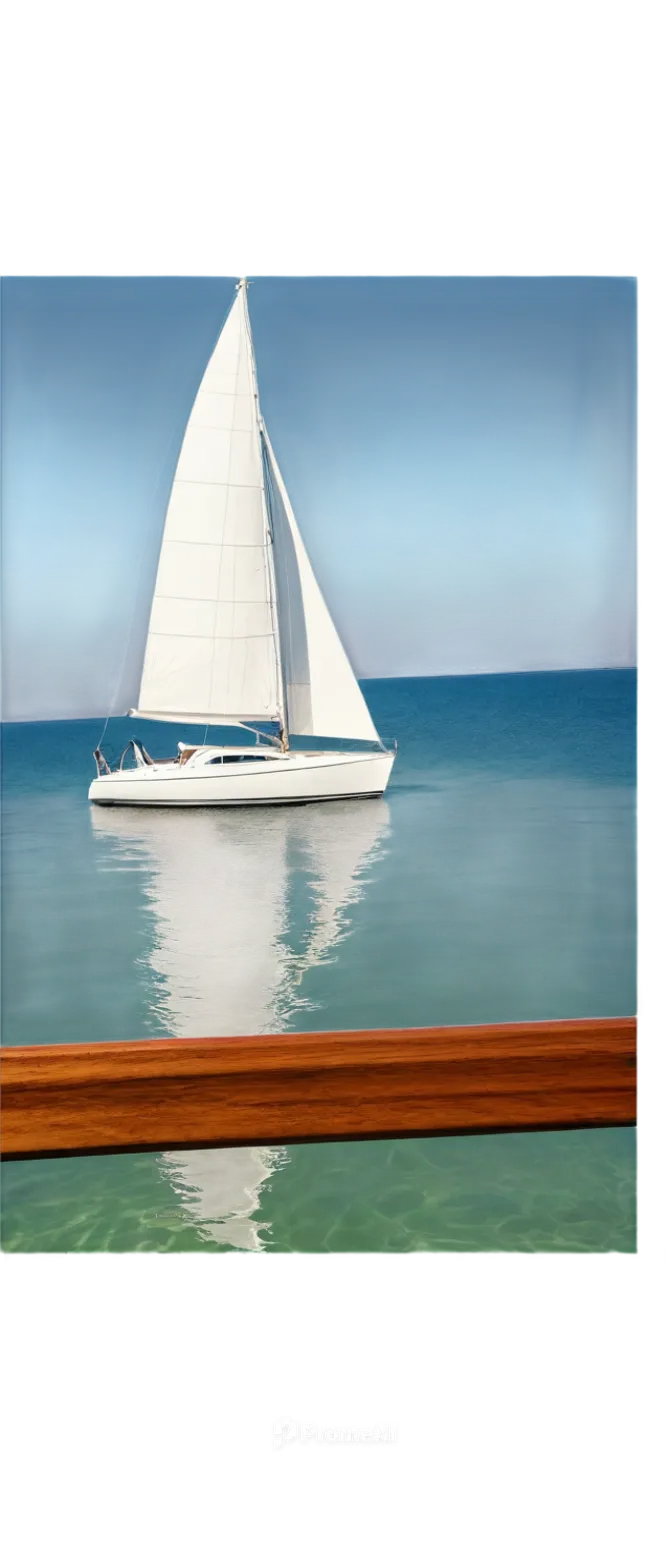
(460, 454)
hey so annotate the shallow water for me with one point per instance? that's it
(496, 881)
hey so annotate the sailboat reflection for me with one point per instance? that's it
(244, 902)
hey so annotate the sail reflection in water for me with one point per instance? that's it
(244, 902)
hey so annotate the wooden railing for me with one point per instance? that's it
(101, 1097)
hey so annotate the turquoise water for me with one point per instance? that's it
(496, 881)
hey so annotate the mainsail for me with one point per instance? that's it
(239, 630)
(212, 647)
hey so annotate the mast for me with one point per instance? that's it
(242, 288)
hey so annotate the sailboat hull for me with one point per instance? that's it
(293, 778)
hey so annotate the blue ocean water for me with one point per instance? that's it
(495, 881)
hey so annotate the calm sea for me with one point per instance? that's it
(496, 881)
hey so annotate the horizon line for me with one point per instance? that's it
(387, 678)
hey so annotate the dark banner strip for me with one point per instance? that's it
(467, 1431)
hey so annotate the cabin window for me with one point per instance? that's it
(229, 760)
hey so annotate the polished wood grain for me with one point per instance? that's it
(267, 1090)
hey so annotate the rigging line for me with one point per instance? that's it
(270, 564)
(136, 579)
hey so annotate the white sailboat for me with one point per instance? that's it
(234, 964)
(239, 632)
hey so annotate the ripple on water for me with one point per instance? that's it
(499, 1192)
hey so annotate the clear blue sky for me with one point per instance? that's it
(460, 454)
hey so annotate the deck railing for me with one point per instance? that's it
(63, 1099)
